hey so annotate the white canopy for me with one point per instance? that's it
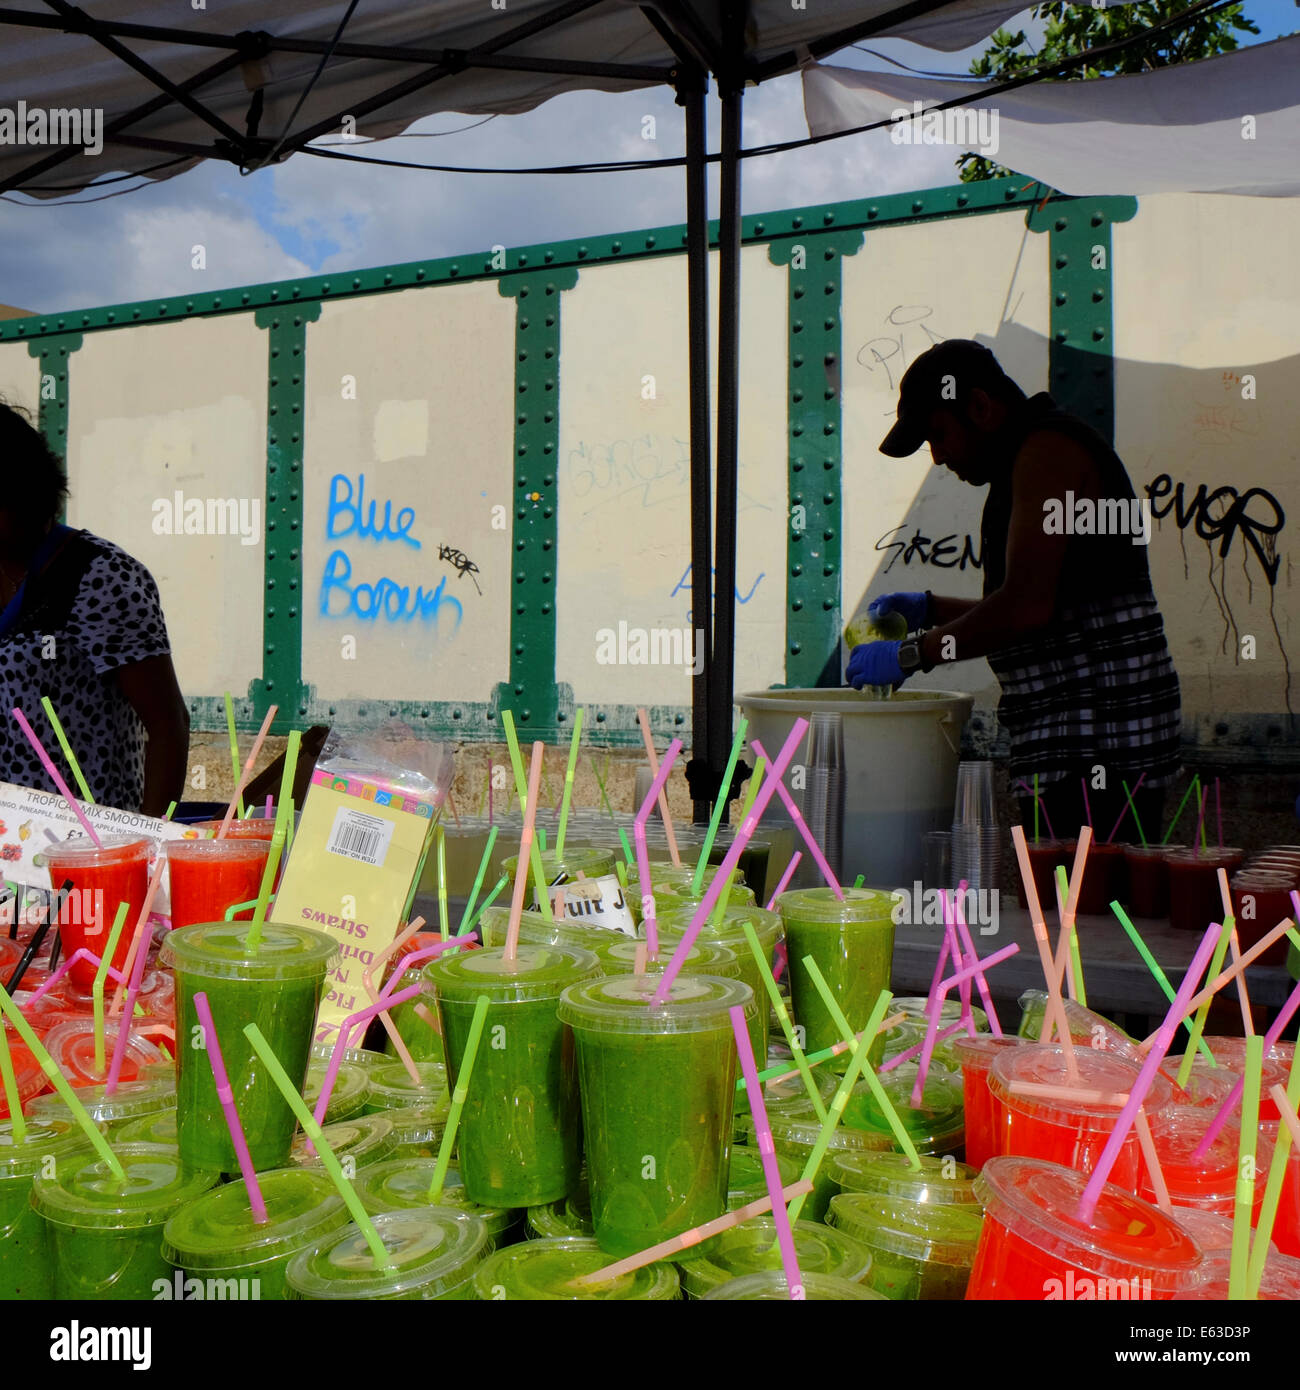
(1229, 124)
(176, 84)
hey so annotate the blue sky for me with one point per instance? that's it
(314, 215)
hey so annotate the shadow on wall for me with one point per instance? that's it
(1216, 454)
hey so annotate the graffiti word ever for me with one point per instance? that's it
(942, 553)
(1107, 516)
(350, 516)
(1234, 515)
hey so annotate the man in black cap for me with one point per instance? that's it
(1068, 620)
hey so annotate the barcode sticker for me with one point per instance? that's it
(355, 835)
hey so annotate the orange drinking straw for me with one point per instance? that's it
(237, 799)
(1152, 1159)
(663, 792)
(525, 848)
(1234, 945)
(141, 931)
(368, 984)
(1055, 1008)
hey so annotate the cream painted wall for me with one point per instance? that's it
(167, 408)
(1207, 295)
(20, 377)
(624, 480)
(909, 287)
(431, 430)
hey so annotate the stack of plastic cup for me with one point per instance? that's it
(347, 1096)
(389, 1086)
(823, 796)
(26, 1269)
(544, 1271)
(360, 1141)
(936, 1126)
(976, 835)
(1033, 1247)
(752, 1246)
(400, 1184)
(938, 1182)
(936, 860)
(770, 1286)
(919, 1251)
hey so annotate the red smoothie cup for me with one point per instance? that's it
(1105, 877)
(1261, 899)
(117, 872)
(1148, 880)
(1209, 1183)
(1033, 1248)
(251, 828)
(1043, 859)
(1286, 1227)
(28, 1076)
(208, 876)
(1072, 1132)
(1280, 1281)
(72, 1046)
(10, 954)
(976, 1056)
(1194, 897)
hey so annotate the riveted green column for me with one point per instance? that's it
(1082, 363)
(53, 353)
(281, 682)
(813, 547)
(539, 706)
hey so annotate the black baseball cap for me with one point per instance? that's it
(941, 375)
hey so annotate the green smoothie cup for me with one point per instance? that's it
(558, 1221)
(348, 1096)
(781, 1098)
(276, 985)
(936, 1126)
(364, 1139)
(544, 1271)
(215, 1237)
(853, 944)
(389, 1087)
(152, 1092)
(618, 957)
(158, 1128)
(752, 1246)
(730, 931)
(746, 1181)
(674, 900)
(919, 1250)
(355, 1056)
(433, 1254)
(520, 1130)
(940, 1181)
(914, 1006)
(535, 929)
(402, 1184)
(422, 1042)
(26, 1269)
(105, 1235)
(771, 1286)
(795, 1133)
(658, 1088)
(590, 862)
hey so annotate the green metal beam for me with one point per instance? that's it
(52, 353)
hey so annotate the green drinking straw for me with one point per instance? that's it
(171, 811)
(1062, 896)
(419, 874)
(1244, 1203)
(1178, 813)
(97, 989)
(860, 880)
(281, 835)
(485, 904)
(868, 1071)
(458, 1095)
(719, 806)
(478, 880)
(1159, 975)
(1204, 797)
(16, 1122)
(1128, 797)
(600, 782)
(305, 1118)
(234, 746)
(1272, 1189)
(67, 751)
(68, 1093)
(1216, 964)
(541, 840)
(521, 787)
(441, 837)
(568, 784)
(839, 1100)
(812, 1058)
(620, 868)
(628, 856)
(774, 994)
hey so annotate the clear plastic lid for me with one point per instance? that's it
(671, 899)
(402, 1184)
(1279, 1281)
(770, 1286)
(29, 1077)
(537, 972)
(622, 1004)
(1103, 1072)
(348, 1094)
(592, 862)
(1211, 1230)
(752, 1246)
(917, 1006)
(431, 1252)
(364, 1139)
(729, 929)
(746, 1180)
(232, 849)
(799, 1127)
(979, 1053)
(554, 1221)
(71, 1046)
(217, 1229)
(44, 1136)
(357, 1056)
(1177, 1130)
(158, 1128)
(390, 1087)
(1088, 1028)
(618, 957)
(938, 1181)
(544, 1270)
(418, 1124)
(82, 853)
(83, 1192)
(149, 1093)
(1036, 1201)
(866, 905)
(220, 951)
(937, 1124)
(931, 1233)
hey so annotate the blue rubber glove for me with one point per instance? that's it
(913, 607)
(875, 663)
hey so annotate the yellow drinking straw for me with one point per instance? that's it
(67, 750)
(543, 889)
(1244, 1202)
(458, 1095)
(234, 747)
(16, 1122)
(568, 784)
(1273, 1187)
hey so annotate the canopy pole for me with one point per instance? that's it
(691, 95)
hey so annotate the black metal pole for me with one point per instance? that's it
(692, 96)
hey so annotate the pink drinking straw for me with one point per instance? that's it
(424, 953)
(801, 826)
(270, 802)
(48, 765)
(899, 1057)
(739, 843)
(81, 953)
(767, 1152)
(644, 718)
(1087, 810)
(958, 955)
(785, 879)
(1124, 811)
(227, 1098)
(968, 942)
(1233, 1098)
(1137, 1096)
(124, 1025)
(649, 919)
(368, 984)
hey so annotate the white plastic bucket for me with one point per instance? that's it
(900, 761)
